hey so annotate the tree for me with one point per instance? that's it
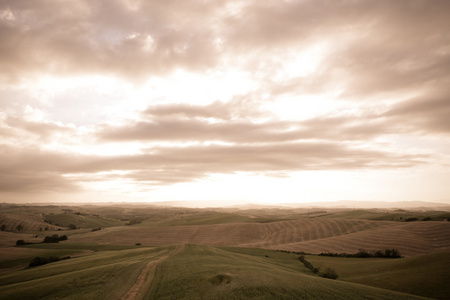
(20, 243)
(3, 227)
(73, 226)
(19, 227)
(392, 253)
(362, 253)
(51, 239)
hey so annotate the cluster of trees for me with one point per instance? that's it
(48, 239)
(55, 238)
(38, 261)
(412, 219)
(298, 253)
(387, 253)
(329, 273)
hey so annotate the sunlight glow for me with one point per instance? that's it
(301, 63)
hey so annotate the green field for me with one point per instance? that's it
(211, 254)
(196, 272)
(420, 275)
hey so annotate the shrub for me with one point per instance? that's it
(411, 219)
(308, 265)
(55, 238)
(362, 253)
(20, 243)
(329, 273)
(39, 261)
(51, 239)
(220, 279)
(72, 226)
(388, 253)
(3, 227)
(392, 253)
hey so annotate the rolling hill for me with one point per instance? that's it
(182, 253)
(182, 272)
(313, 235)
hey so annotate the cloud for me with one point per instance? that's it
(42, 130)
(240, 107)
(228, 122)
(43, 170)
(26, 182)
(33, 170)
(389, 60)
(106, 37)
(185, 142)
(180, 143)
(427, 113)
(378, 45)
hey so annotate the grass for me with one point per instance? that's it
(197, 272)
(13, 257)
(424, 275)
(100, 275)
(201, 272)
(82, 246)
(105, 264)
(391, 215)
(199, 218)
(25, 220)
(83, 221)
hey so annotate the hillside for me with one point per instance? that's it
(182, 272)
(419, 275)
(28, 222)
(147, 252)
(313, 235)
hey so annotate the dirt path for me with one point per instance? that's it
(146, 276)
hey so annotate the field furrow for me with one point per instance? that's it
(410, 239)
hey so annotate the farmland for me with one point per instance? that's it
(150, 252)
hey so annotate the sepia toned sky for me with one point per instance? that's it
(225, 101)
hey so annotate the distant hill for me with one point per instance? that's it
(353, 204)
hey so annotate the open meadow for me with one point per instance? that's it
(152, 252)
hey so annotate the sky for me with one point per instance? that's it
(224, 101)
